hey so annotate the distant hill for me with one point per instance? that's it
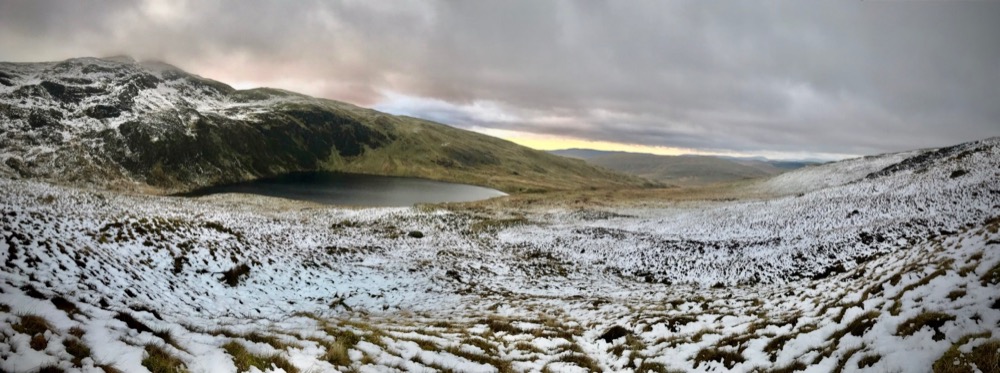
(585, 153)
(119, 123)
(685, 170)
(783, 165)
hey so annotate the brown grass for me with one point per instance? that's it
(503, 366)
(992, 276)
(133, 323)
(501, 325)
(652, 367)
(729, 359)
(582, 361)
(38, 342)
(620, 197)
(255, 337)
(857, 327)
(898, 299)
(336, 352)
(235, 275)
(32, 325)
(868, 360)
(158, 360)
(776, 344)
(65, 305)
(842, 362)
(244, 359)
(77, 349)
(986, 357)
(932, 319)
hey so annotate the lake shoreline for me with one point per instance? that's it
(348, 189)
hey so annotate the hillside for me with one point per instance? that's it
(887, 263)
(684, 170)
(118, 123)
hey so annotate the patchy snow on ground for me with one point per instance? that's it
(886, 264)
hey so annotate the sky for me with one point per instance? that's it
(783, 79)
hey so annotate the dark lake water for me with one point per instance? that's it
(355, 189)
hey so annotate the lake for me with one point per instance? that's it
(355, 189)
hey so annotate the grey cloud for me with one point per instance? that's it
(832, 77)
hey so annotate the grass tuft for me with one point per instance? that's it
(65, 305)
(501, 325)
(776, 344)
(235, 275)
(78, 349)
(935, 320)
(38, 342)
(109, 368)
(844, 357)
(652, 367)
(50, 369)
(729, 359)
(991, 277)
(493, 225)
(482, 344)
(254, 337)
(32, 325)
(898, 299)
(795, 366)
(244, 359)
(343, 340)
(133, 323)
(158, 360)
(582, 361)
(868, 360)
(179, 262)
(982, 358)
(77, 331)
(503, 366)
(336, 354)
(525, 346)
(275, 342)
(857, 327)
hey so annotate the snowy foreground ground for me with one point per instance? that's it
(887, 264)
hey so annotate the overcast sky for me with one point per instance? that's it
(801, 78)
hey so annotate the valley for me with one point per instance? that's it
(684, 170)
(884, 263)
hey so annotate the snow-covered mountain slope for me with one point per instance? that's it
(850, 213)
(119, 123)
(833, 174)
(893, 269)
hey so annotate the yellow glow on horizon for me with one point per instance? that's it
(557, 144)
(551, 142)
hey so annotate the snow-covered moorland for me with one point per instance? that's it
(888, 264)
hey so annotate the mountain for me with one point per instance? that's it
(779, 164)
(685, 170)
(585, 153)
(886, 263)
(119, 123)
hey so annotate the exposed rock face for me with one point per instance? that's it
(115, 122)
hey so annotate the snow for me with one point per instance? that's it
(139, 91)
(825, 247)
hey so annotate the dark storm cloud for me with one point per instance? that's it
(830, 77)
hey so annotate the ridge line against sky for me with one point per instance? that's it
(781, 79)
